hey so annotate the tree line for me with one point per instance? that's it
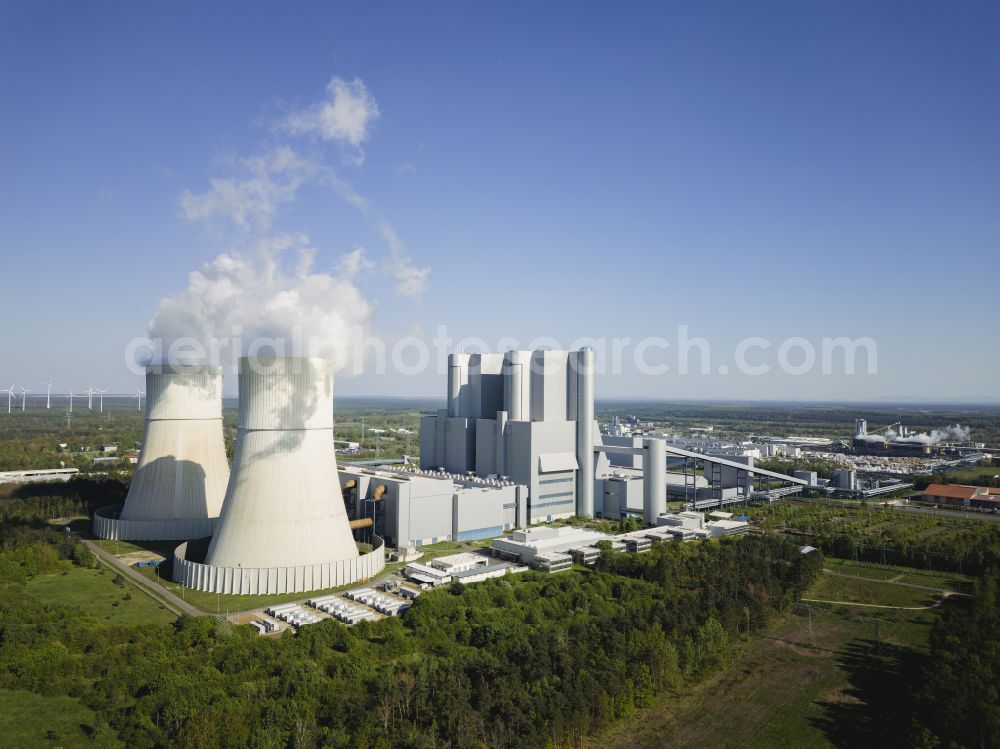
(957, 703)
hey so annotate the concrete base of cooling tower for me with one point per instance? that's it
(272, 580)
(108, 525)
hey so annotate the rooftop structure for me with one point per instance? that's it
(41, 474)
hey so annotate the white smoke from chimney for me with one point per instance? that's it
(269, 301)
(956, 433)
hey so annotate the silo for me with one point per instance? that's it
(486, 386)
(654, 484)
(458, 385)
(180, 481)
(581, 409)
(517, 385)
(549, 385)
(283, 507)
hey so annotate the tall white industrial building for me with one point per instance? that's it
(180, 482)
(524, 415)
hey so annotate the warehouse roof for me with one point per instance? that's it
(955, 491)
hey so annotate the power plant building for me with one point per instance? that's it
(414, 508)
(525, 416)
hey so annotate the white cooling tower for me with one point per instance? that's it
(283, 526)
(181, 477)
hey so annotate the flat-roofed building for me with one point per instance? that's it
(728, 527)
(525, 545)
(687, 519)
(414, 508)
(982, 497)
(553, 561)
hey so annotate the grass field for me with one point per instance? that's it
(164, 549)
(845, 685)
(95, 592)
(874, 592)
(30, 720)
(948, 580)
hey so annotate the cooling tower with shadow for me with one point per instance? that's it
(283, 526)
(180, 481)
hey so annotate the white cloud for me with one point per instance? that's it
(345, 117)
(411, 280)
(251, 200)
(352, 263)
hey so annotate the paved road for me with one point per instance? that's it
(986, 516)
(157, 591)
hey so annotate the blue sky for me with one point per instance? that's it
(564, 170)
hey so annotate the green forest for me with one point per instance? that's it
(532, 660)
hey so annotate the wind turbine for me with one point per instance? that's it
(138, 398)
(48, 394)
(71, 400)
(10, 395)
(90, 397)
(100, 397)
(24, 396)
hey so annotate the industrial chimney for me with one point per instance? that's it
(581, 410)
(860, 428)
(181, 477)
(283, 526)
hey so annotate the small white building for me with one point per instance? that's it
(527, 545)
(454, 563)
(425, 575)
(727, 527)
(553, 561)
(689, 520)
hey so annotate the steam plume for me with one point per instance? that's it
(271, 298)
(956, 433)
